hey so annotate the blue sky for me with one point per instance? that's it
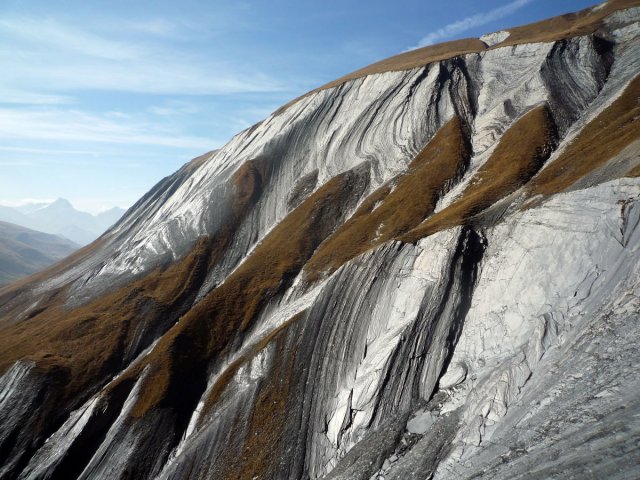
(99, 100)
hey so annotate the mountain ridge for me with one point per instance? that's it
(561, 27)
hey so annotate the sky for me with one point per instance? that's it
(100, 100)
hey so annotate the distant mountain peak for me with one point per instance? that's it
(62, 202)
(112, 210)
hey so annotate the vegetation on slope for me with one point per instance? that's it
(53, 330)
(79, 350)
(570, 25)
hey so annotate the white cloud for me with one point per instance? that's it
(47, 151)
(473, 21)
(16, 96)
(176, 107)
(156, 26)
(41, 57)
(25, 201)
(109, 99)
(15, 163)
(77, 126)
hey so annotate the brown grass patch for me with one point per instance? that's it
(599, 141)
(388, 213)
(260, 449)
(58, 332)
(264, 434)
(15, 298)
(519, 155)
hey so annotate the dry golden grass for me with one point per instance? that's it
(16, 297)
(602, 139)
(389, 212)
(519, 155)
(85, 346)
(10, 295)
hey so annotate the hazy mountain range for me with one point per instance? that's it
(61, 218)
(426, 269)
(24, 251)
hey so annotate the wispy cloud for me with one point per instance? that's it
(25, 201)
(175, 107)
(157, 26)
(471, 22)
(43, 58)
(18, 96)
(33, 34)
(93, 97)
(47, 151)
(15, 163)
(82, 127)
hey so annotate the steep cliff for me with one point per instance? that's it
(426, 269)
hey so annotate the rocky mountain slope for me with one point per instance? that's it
(61, 218)
(24, 251)
(426, 269)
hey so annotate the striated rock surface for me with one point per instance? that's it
(426, 269)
